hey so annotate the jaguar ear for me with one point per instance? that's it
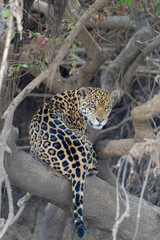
(85, 92)
(114, 96)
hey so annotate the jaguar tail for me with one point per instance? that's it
(78, 194)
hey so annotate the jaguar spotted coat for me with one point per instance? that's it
(57, 137)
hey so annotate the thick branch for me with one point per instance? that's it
(114, 148)
(99, 202)
(112, 22)
(89, 43)
(142, 114)
(147, 110)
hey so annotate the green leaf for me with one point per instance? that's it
(5, 13)
(25, 65)
(45, 67)
(129, 2)
(158, 8)
(74, 45)
(70, 25)
(120, 3)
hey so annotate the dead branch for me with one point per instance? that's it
(113, 148)
(112, 22)
(147, 110)
(99, 202)
(140, 117)
(89, 43)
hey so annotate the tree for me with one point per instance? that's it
(117, 37)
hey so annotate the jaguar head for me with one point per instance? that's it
(96, 105)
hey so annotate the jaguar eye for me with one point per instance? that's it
(106, 108)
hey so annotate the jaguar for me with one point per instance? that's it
(57, 137)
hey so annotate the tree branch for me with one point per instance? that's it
(112, 22)
(142, 114)
(99, 202)
(113, 148)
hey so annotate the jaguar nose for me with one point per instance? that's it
(100, 120)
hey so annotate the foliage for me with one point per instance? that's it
(67, 25)
(5, 13)
(74, 70)
(158, 8)
(122, 2)
(15, 68)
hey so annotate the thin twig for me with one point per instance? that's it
(11, 209)
(18, 214)
(117, 126)
(117, 187)
(140, 201)
(127, 211)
